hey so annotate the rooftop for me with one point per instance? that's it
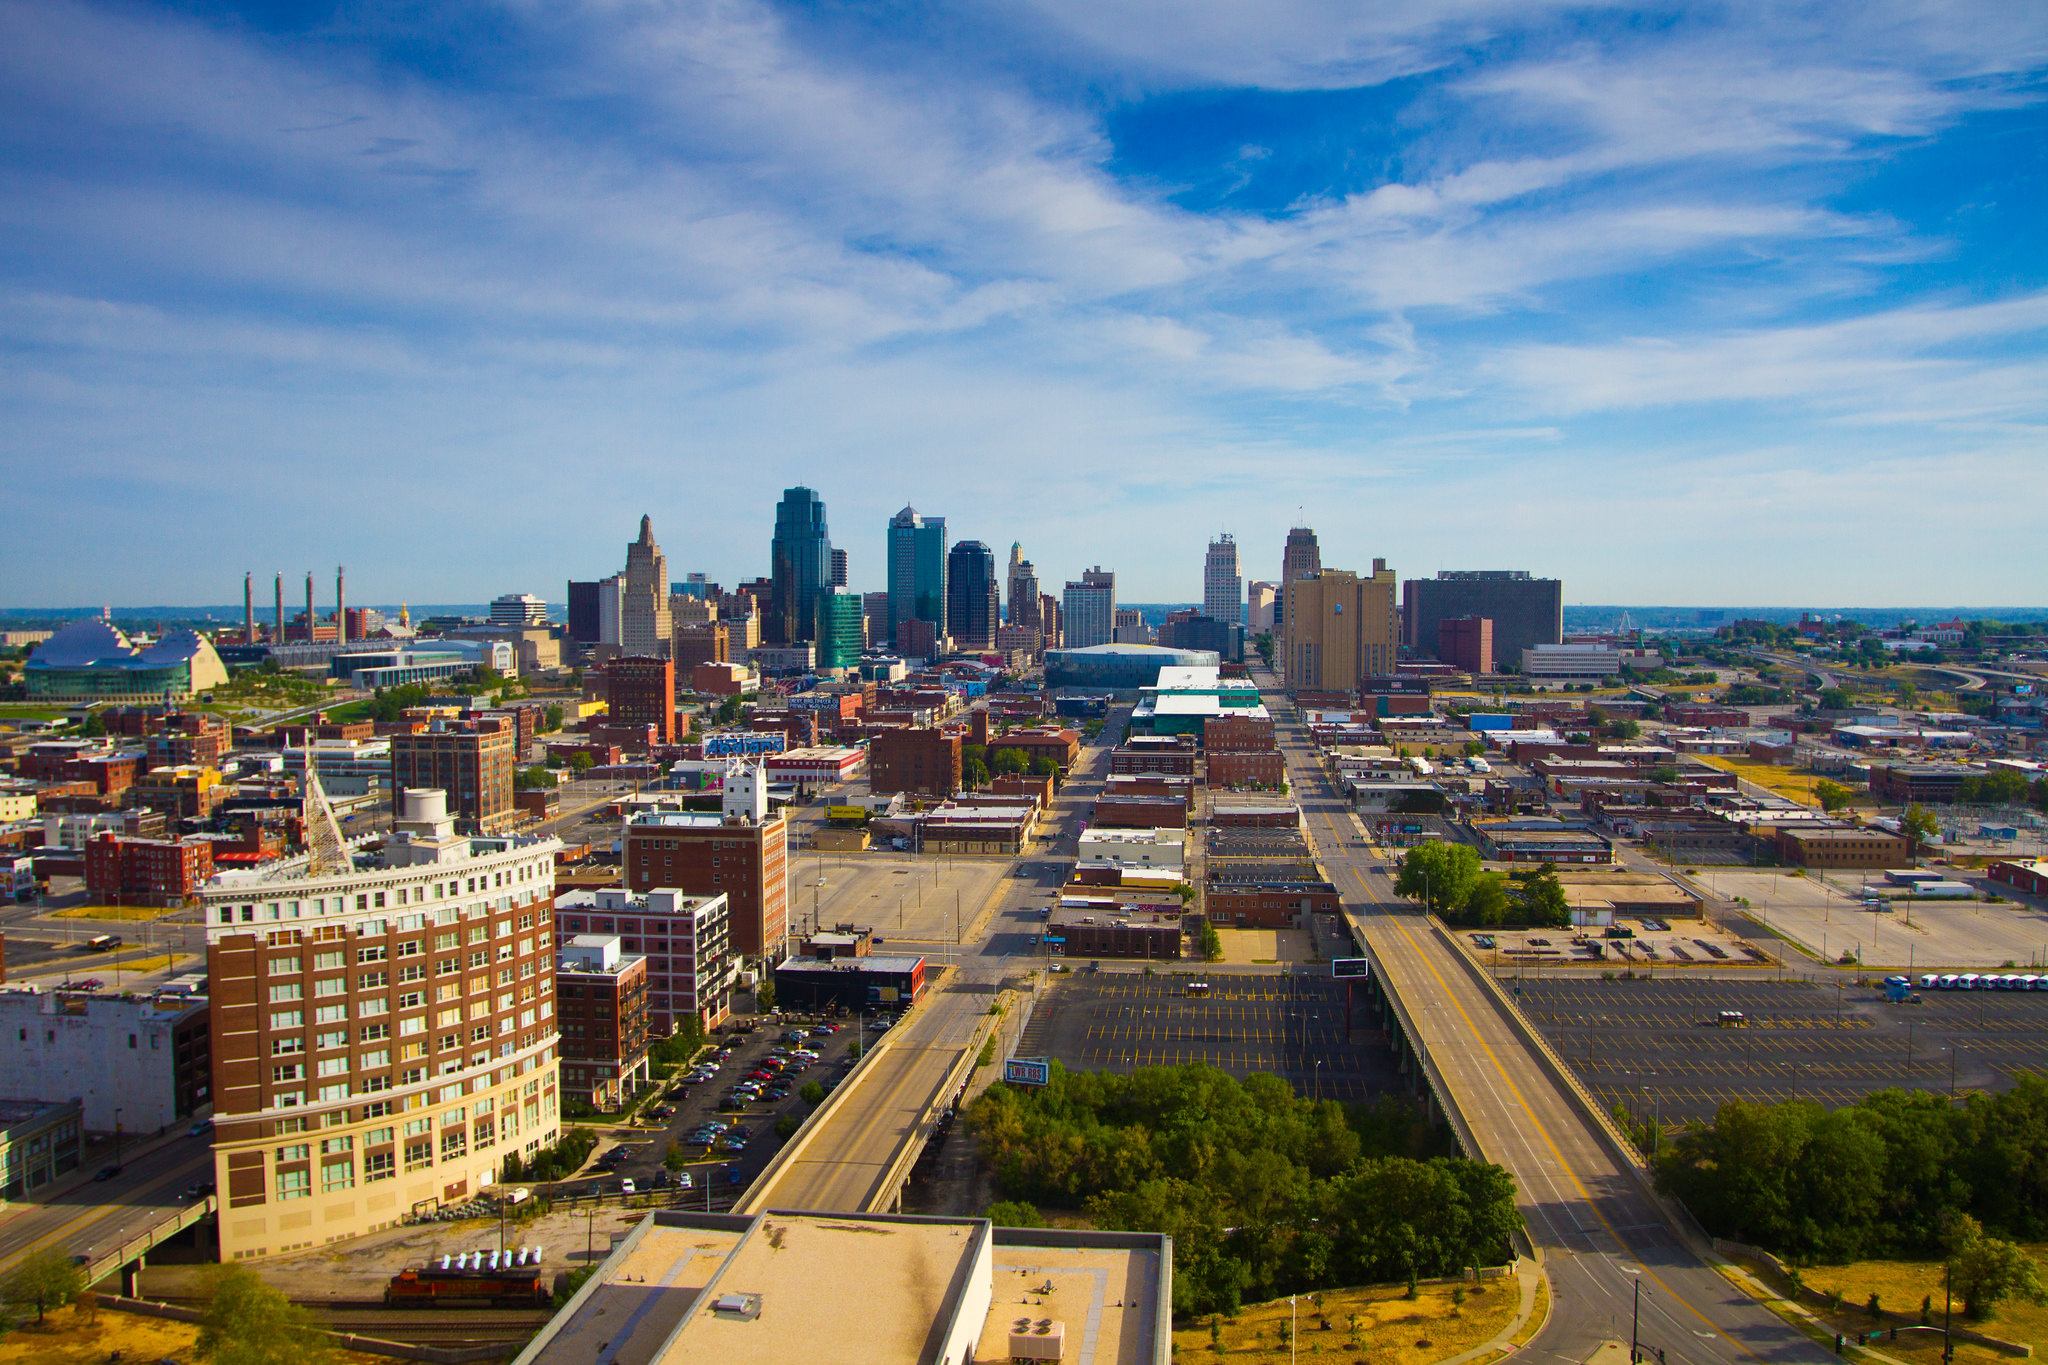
(874, 963)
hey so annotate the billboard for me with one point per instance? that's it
(814, 701)
(1028, 1071)
(846, 812)
(1342, 967)
(741, 743)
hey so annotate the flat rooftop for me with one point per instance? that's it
(872, 963)
(860, 1290)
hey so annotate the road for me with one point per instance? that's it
(95, 1216)
(845, 1165)
(1600, 1234)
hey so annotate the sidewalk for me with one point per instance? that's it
(1529, 1277)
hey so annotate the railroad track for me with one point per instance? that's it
(425, 1324)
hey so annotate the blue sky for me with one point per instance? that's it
(1709, 304)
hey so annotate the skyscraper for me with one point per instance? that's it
(917, 570)
(645, 627)
(838, 568)
(800, 560)
(1301, 556)
(1258, 606)
(1339, 629)
(583, 613)
(973, 601)
(1023, 584)
(1222, 588)
(838, 633)
(1089, 610)
(1525, 611)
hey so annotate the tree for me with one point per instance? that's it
(974, 772)
(551, 719)
(1907, 694)
(1210, 943)
(1833, 699)
(764, 995)
(1440, 874)
(529, 779)
(1009, 762)
(1015, 1213)
(247, 1322)
(1919, 826)
(1488, 903)
(1543, 899)
(95, 725)
(46, 1278)
(1989, 1270)
(1044, 765)
(581, 763)
(1832, 795)
(813, 1093)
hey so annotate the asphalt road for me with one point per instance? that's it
(844, 1168)
(95, 1216)
(1602, 1237)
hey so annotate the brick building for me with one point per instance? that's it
(1246, 903)
(601, 1010)
(702, 642)
(1929, 783)
(687, 941)
(740, 852)
(1237, 734)
(146, 871)
(1060, 745)
(1870, 848)
(1153, 934)
(471, 761)
(922, 761)
(1154, 754)
(1466, 642)
(1266, 770)
(1141, 812)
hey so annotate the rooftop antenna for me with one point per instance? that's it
(326, 850)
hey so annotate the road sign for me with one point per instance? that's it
(1028, 1071)
(1341, 967)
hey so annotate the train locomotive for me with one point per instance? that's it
(511, 1279)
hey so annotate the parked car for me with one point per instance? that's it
(626, 1186)
(106, 1173)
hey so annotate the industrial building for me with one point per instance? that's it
(142, 1062)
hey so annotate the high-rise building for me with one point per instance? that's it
(611, 609)
(1222, 586)
(838, 632)
(874, 609)
(383, 1036)
(1023, 589)
(1088, 615)
(518, 609)
(1525, 611)
(687, 941)
(584, 627)
(644, 623)
(1466, 642)
(974, 600)
(470, 761)
(917, 571)
(1131, 628)
(838, 568)
(1258, 606)
(1052, 621)
(1302, 555)
(601, 1011)
(1338, 629)
(800, 567)
(642, 691)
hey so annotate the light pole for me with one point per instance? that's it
(1635, 1321)
(117, 1138)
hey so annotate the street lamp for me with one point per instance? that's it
(117, 1138)
(1635, 1320)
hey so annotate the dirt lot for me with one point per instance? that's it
(912, 900)
(1655, 1044)
(1291, 1026)
(65, 1340)
(1267, 945)
(1394, 1329)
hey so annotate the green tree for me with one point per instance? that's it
(45, 1278)
(1833, 699)
(1015, 1213)
(533, 778)
(1440, 874)
(974, 772)
(1009, 762)
(551, 719)
(812, 1093)
(1044, 765)
(1919, 826)
(246, 1322)
(1832, 795)
(1543, 899)
(95, 725)
(1906, 694)
(1989, 1270)
(581, 763)
(1488, 903)
(1209, 943)
(764, 995)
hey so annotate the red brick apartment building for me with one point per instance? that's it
(471, 761)
(924, 762)
(706, 854)
(1237, 734)
(601, 1007)
(146, 871)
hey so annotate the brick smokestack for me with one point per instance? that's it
(341, 604)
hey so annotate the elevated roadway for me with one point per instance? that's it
(1590, 1215)
(857, 1150)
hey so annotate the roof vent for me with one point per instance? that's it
(745, 1307)
(1041, 1340)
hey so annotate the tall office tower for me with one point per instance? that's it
(974, 602)
(642, 691)
(697, 586)
(518, 609)
(645, 627)
(1052, 621)
(839, 632)
(838, 568)
(1222, 587)
(583, 613)
(347, 1090)
(874, 611)
(917, 571)
(1302, 555)
(1088, 614)
(1023, 584)
(611, 609)
(1339, 629)
(1525, 611)
(1258, 612)
(800, 567)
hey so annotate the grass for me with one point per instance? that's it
(69, 1337)
(130, 914)
(1900, 1285)
(1392, 1329)
(1790, 783)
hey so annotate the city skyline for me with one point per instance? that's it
(1745, 284)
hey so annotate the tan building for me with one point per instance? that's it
(1338, 629)
(471, 761)
(1868, 848)
(383, 1037)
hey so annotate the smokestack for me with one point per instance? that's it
(278, 638)
(341, 604)
(248, 608)
(309, 606)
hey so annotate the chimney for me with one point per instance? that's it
(278, 638)
(309, 606)
(248, 608)
(341, 604)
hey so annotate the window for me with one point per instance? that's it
(443, 942)
(375, 1004)
(281, 994)
(281, 1074)
(412, 971)
(376, 1137)
(372, 954)
(419, 1155)
(333, 985)
(285, 1047)
(334, 1066)
(284, 966)
(329, 962)
(453, 1143)
(412, 1075)
(298, 1151)
(379, 1166)
(373, 981)
(334, 1146)
(331, 1014)
(372, 1061)
(335, 1038)
(294, 1184)
(337, 1175)
(412, 1000)
(408, 1027)
(375, 1032)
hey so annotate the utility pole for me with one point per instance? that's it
(1635, 1322)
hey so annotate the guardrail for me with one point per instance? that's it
(133, 1248)
(755, 1199)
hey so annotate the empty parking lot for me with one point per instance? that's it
(1289, 1026)
(1654, 1044)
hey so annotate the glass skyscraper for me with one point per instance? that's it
(917, 571)
(800, 559)
(973, 598)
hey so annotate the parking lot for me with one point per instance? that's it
(1657, 1045)
(913, 899)
(1118, 1019)
(1660, 943)
(1826, 915)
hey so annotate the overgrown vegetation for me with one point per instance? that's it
(249, 1323)
(1895, 1174)
(556, 1162)
(1450, 879)
(1263, 1192)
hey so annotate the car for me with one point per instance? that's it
(684, 1182)
(200, 1129)
(734, 1145)
(662, 1111)
(199, 1189)
(626, 1185)
(659, 1181)
(106, 1173)
(775, 1092)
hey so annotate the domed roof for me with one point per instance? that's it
(175, 648)
(82, 644)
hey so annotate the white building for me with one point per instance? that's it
(1222, 587)
(1088, 609)
(141, 1063)
(518, 609)
(347, 767)
(1584, 663)
(1161, 849)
